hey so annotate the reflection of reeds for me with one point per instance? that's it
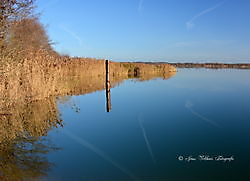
(30, 119)
(28, 87)
(41, 76)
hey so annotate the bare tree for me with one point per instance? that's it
(12, 11)
(28, 34)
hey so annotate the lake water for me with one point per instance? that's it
(192, 126)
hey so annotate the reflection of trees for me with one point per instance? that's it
(24, 159)
(22, 143)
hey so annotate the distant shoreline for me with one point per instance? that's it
(205, 65)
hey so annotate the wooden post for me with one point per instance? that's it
(108, 98)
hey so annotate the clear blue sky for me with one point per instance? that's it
(150, 30)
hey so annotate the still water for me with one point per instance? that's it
(193, 126)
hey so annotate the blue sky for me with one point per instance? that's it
(150, 30)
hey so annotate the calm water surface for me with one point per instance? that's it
(153, 127)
